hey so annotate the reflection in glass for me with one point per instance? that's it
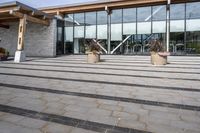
(193, 28)
(129, 21)
(90, 22)
(177, 27)
(79, 33)
(102, 29)
(159, 24)
(144, 20)
(116, 29)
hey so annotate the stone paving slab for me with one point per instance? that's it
(172, 106)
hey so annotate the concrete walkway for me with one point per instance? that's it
(122, 94)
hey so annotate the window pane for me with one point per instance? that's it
(116, 25)
(68, 34)
(129, 15)
(69, 20)
(193, 25)
(176, 25)
(144, 14)
(102, 31)
(59, 33)
(159, 13)
(90, 18)
(129, 28)
(193, 16)
(144, 20)
(79, 19)
(90, 21)
(102, 17)
(177, 11)
(159, 27)
(116, 32)
(116, 16)
(192, 10)
(90, 31)
(159, 19)
(144, 28)
(79, 31)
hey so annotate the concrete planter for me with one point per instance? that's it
(93, 57)
(159, 58)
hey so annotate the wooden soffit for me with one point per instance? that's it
(111, 4)
(13, 11)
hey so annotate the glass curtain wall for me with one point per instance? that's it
(135, 27)
(193, 28)
(177, 28)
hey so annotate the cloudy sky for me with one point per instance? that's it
(46, 3)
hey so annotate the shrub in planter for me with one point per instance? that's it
(93, 51)
(158, 55)
(4, 54)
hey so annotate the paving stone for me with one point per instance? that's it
(111, 107)
(32, 123)
(11, 118)
(6, 127)
(78, 130)
(56, 128)
(124, 115)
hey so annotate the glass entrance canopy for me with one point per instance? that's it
(129, 30)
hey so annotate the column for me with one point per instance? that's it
(20, 54)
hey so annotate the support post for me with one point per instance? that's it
(20, 54)
(109, 12)
(168, 24)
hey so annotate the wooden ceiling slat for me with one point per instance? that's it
(30, 18)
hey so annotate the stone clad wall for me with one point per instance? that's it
(40, 40)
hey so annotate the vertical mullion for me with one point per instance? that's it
(73, 33)
(96, 25)
(84, 21)
(152, 20)
(185, 35)
(136, 25)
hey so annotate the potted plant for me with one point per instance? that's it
(4, 54)
(93, 51)
(158, 55)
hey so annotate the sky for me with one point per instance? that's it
(47, 3)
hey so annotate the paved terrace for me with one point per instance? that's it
(123, 94)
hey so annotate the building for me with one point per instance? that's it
(122, 26)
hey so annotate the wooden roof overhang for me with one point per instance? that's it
(111, 4)
(13, 11)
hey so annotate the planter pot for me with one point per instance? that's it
(159, 58)
(93, 57)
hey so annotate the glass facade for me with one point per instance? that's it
(129, 30)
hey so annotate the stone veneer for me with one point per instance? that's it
(40, 40)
